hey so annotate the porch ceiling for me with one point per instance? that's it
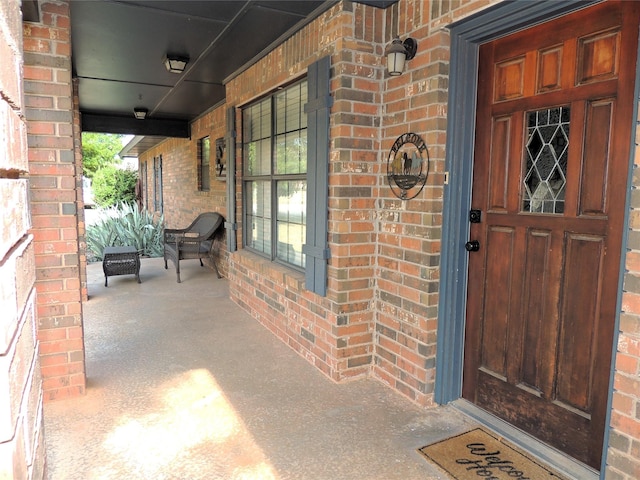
(118, 48)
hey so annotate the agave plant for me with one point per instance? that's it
(126, 224)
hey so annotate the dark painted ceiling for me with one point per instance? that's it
(119, 46)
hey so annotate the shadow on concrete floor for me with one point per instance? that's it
(182, 384)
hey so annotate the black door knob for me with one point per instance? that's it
(472, 246)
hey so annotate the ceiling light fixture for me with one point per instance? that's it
(140, 113)
(176, 63)
(399, 51)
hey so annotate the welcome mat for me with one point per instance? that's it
(477, 454)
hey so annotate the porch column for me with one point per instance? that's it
(55, 199)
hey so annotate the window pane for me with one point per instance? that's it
(258, 158)
(291, 153)
(546, 155)
(206, 150)
(291, 123)
(281, 113)
(291, 220)
(257, 121)
(290, 109)
(303, 149)
(289, 112)
(265, 119)
(204, 164)
(259, 215)
(303, 102)
(293, 108)
(264, 163)
(257, 138)
(249, 153)
(206, 183)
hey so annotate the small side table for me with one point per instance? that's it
(120, 261)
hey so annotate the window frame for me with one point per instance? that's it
(272, 179)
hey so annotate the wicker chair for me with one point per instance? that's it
(195, 241)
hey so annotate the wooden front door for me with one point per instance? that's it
(553, 138)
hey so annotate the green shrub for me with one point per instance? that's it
(113, 186)
(126, 225)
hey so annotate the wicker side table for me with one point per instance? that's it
(120, 261)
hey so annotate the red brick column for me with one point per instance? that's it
(54, 179)
(353, 177)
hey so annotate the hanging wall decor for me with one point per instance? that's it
(408, 166)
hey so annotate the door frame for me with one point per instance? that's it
(466, 37)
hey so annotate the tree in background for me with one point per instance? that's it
(113, 186)
(99, 150)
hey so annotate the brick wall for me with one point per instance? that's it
(409, 239)
(55, 199)
(624, 448)
(21, 425)
(335, 333)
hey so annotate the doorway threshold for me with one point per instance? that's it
(552, 457)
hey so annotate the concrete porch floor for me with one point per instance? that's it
(182, 384)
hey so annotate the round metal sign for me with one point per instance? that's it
(408, 166)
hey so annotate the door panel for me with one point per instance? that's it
(499, 169)
(596, 149)
(539, 314)
(579, 323)
(500, 243)
(551, 160)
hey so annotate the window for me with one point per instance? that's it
(157, 184)
(143, 183)
(204, 156)
(275, 175)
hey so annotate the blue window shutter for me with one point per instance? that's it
(230, 147)
(317, 109)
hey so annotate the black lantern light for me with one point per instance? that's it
(398, 52)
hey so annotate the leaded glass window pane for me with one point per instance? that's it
(546, 154)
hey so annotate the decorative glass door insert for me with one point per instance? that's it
(546, 152)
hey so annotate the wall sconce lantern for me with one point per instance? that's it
(140, 113)
(175, 63)
(399, 51)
